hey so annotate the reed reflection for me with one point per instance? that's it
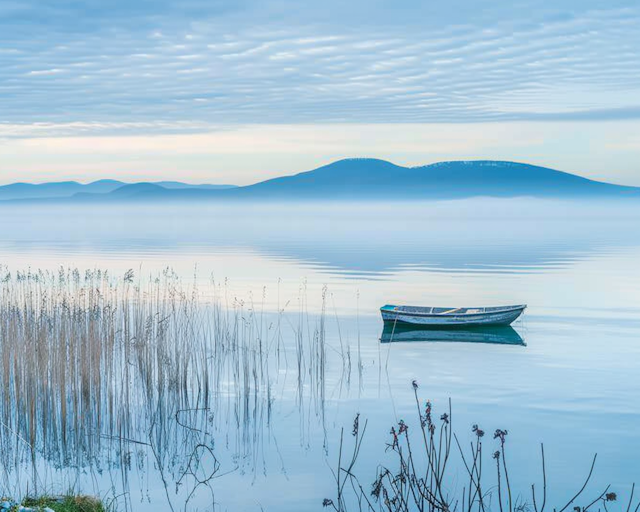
(136, 381)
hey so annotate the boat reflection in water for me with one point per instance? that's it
(499, 335)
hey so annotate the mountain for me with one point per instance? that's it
(55, 189)
(379, 179)
(372, 179)
(68, 189)
(134, 190)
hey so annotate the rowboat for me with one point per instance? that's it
(495, 335)
(429, 317)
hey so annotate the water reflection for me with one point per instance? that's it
(498, 335)
(458, 236)
(145, 395)
(150, 381)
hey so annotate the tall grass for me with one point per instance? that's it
(419, 477)
(101, 370)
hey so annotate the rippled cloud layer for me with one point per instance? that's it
(149, 67)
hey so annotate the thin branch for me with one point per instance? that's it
(583, 486)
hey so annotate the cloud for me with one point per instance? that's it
(13, 131)
(45, 72)
(211, 66)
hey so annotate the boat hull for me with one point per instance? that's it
(439, 321)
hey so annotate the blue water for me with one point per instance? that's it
(573, 385)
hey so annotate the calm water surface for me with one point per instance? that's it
(573, 384)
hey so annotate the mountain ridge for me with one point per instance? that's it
(67, 189)
(380, 179)
(373, 179)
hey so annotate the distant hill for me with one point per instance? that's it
(55, 189)
(371, 179)
(72, 188)
(135, 189)
(379, 179)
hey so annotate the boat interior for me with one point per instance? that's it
(447, 311)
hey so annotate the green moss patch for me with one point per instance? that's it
(61, 504)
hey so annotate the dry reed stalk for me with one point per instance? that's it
(94, 365)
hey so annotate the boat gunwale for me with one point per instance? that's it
(453, 314)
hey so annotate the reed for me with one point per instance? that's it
(118, 373)
(421, 480)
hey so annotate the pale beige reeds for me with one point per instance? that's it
(95, 363)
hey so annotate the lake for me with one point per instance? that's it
(293, 292)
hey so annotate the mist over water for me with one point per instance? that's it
(287, 273)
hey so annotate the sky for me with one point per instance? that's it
(236, 92)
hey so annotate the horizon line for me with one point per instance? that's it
(296, 173)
